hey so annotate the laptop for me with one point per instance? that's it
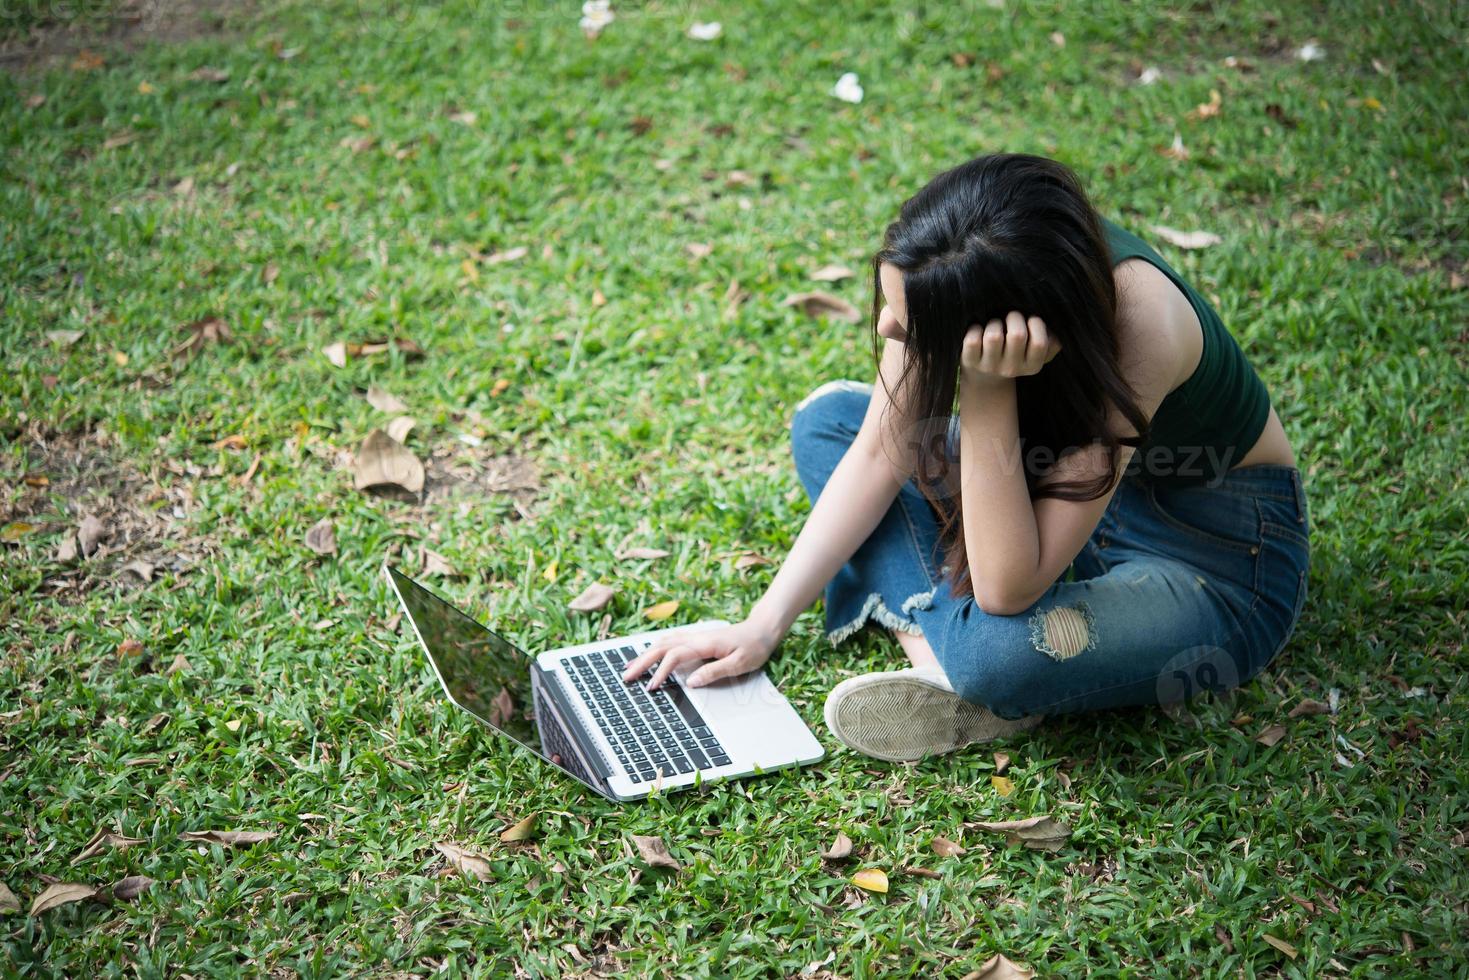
(570, 707)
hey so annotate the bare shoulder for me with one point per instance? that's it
(1160, 336)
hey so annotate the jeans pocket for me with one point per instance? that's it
(1209, 517)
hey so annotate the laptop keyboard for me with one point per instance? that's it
(651, 732)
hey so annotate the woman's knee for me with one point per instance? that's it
(990, 661)
(833, 408)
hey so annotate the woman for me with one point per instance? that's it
(1112, 517)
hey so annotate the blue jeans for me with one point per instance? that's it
(1178, 590)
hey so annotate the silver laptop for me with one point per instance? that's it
(570, 706)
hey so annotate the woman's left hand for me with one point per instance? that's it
(1011, 348)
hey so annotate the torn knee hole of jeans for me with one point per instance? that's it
(1063, 632)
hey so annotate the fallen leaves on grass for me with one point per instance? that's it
(90, 535)
(102, 840)
(1000, 967)
(129, 888)
(1281, 945)
(205, 73)
(339, 352)
(466, 861)
(1185, 239)
(61, 893)
(524, 829)
(202, 333)
(436, 564)
(143, 570)
(228, 838)
(385, 401)
(944, 847)
(649, 553)
(8, 900)
(63, 338)
(872, 880)
(502, 708)
(1002, 763)
(593, 598)
(1271, 735)
(749, 559)
(1041, 833)
(655, 852)
(1207, 110)
(399, 428)
(1003, 785)
(832, 273)
(818, 304)
(661, 610)
(840, 849)
(16, 530)
(385, 462)
(1175, 150)
(180, 664)
(1309, 707)
(321, 537)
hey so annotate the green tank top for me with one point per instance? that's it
(1208, 423)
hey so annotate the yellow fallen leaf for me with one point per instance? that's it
(1281, 945)
(119, 358)
(471, 271)
(362, 121)
(1002, 785)
(498, 388)
(145, 88)
(523, 830)
(1371, 103)
(872, 880)
(16, 530)
(662, 610)
(233, 724)
(550, 573)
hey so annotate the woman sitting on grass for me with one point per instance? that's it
(1113, 516)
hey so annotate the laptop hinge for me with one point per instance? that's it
(586, 752)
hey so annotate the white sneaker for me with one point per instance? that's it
(904, 715)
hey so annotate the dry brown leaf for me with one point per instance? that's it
(832, 273)
(1309, 707)
(63, 338)
(129, 888)
(270, 273)
(66, 551)
(525, 829)
(90, 534)
(699, 250)
(180, 663)
(436, 564)
(944, 847)
(1042, 833)
(1002, 763)
(399, 428)
(321, 537)
(642, 553)
(509, 255)
(129, 648)
(101, 841)
(234, 441)
(466, 861)
(87, 60)
(661, 610)
(1175, 150)
(207, 74)
(1207, 110)
(61, 893)
(502, 708)
(8, 900)
(841, 848)
(336, 353)
(142, 569)
(228, 838)
(750, 559)
(210, 330)
(384, 462)
(1185, 239)
(385, 401)
(824, 304)
(593, 598)
(872, 880)
(1271, 735)
(1281, 945)
(655, 852)
(1000, 967)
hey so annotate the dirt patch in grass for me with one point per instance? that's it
(138, 526)
(36, 36)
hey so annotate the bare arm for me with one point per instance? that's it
(1018, 548)
(859, 493)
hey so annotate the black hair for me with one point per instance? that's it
(1002, 232)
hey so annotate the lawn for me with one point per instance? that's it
(567, 259)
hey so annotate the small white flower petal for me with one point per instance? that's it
(847, 88)
(706, 32)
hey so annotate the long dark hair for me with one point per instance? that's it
(1007, 231)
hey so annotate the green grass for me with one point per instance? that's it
(659, 406)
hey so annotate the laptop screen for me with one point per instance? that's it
(483, 673)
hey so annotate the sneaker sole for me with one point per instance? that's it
(899, 716)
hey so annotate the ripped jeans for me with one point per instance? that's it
(1178, 590)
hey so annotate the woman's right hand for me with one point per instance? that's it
(734, 649)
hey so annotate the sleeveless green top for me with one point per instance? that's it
(1208, 423)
